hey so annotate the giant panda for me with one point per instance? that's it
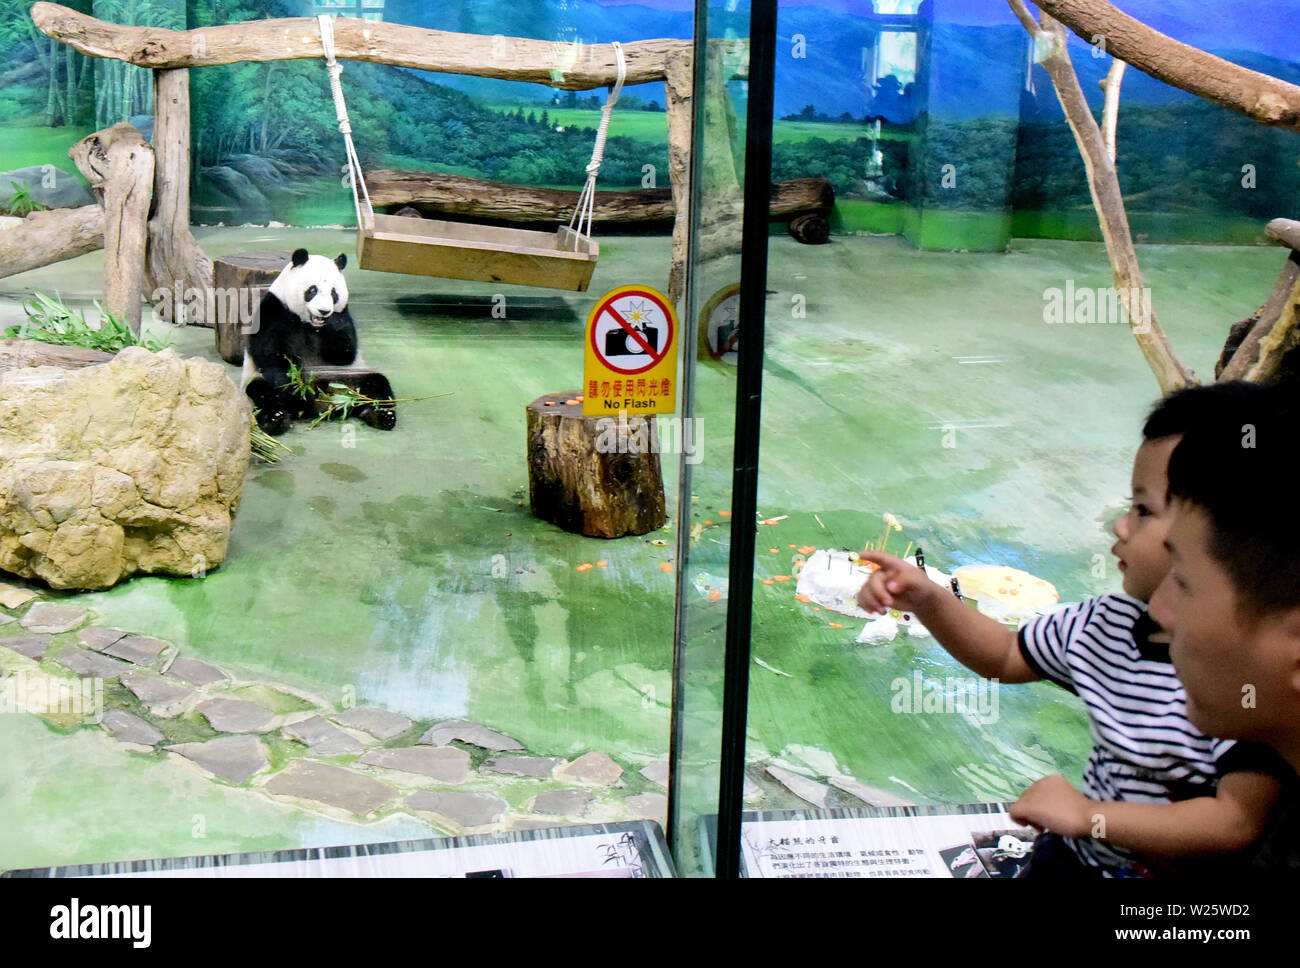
(304, 318)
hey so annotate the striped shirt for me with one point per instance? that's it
(1144, 748)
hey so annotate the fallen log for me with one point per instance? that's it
(18, 353)
(46, 237)
(437, 195)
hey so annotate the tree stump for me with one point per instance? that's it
(596, 476)
(239, 282)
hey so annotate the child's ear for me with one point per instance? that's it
(341, 262)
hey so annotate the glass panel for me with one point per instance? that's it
(411, 571)
(713, 331)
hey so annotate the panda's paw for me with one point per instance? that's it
(381, 418)
(274, 422)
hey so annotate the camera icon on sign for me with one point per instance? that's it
(619, 342)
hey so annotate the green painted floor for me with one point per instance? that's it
(362, 567)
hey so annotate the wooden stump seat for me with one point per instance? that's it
(231, 275)
(576, 487)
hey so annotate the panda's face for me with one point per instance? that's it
(312, 287)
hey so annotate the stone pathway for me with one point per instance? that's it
(365, 763)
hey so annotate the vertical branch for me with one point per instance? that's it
(1110, 114)
(175, 260)
(1107, 200)
(678, 100)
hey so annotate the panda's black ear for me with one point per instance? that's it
(300, 257)
(341, 262)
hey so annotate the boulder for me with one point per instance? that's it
(234, 193)
(52, 187)
(262, 173)
(133, 466)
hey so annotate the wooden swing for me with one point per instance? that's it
(564, 259)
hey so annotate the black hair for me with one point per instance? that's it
(1237, 468)
(1192, 407)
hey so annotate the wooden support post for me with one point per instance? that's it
(678, 84)
(46, 237)
(175, 262)
(119, 165)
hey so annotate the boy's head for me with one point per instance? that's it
(1232, 597)
(1143, 558)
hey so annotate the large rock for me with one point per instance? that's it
(262, 173)
(52, 187)
(133, 466)
(230, 190)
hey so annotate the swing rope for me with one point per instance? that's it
(582, 212)
(335, 70)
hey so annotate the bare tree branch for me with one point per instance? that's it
(1108, 200)
(1026, 18)
(1266, 99)
(571, 66)
(1110, 114)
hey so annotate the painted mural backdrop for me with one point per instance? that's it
(929, 118)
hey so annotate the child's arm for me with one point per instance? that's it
(1231, 820)
(986, 647)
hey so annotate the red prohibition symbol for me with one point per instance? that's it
(644, 328)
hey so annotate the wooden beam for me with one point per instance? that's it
(569, 66)
(46, 237)
(1261, 97)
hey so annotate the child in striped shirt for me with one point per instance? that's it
(1158, 796)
